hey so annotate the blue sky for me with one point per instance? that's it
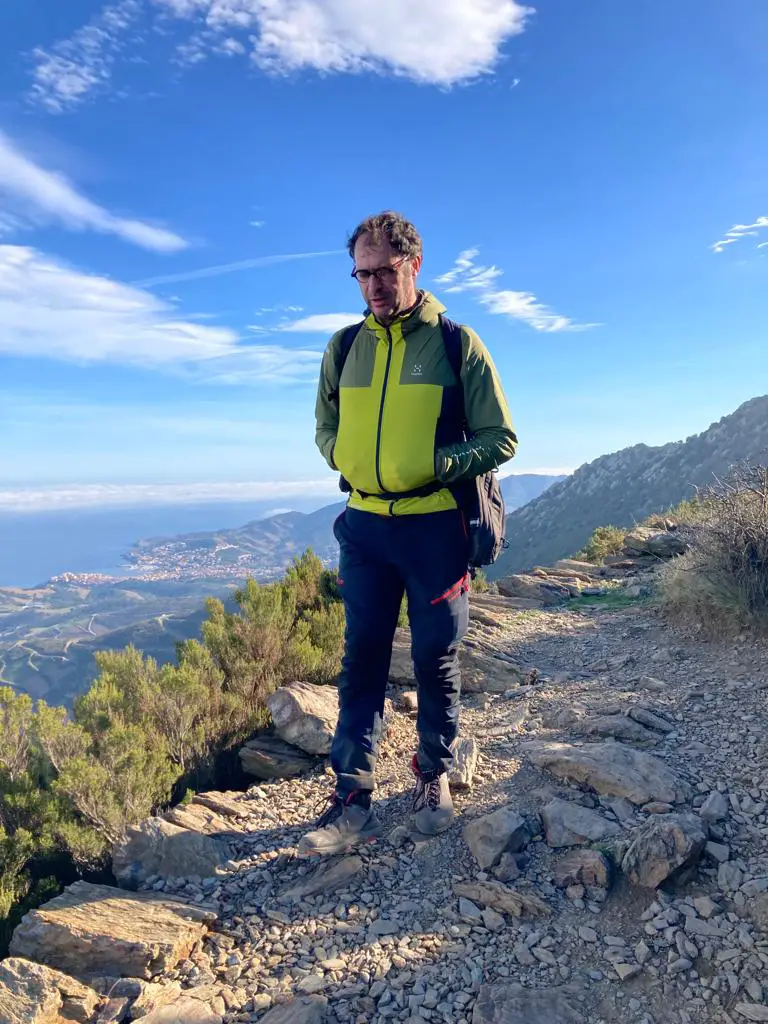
(178, 177)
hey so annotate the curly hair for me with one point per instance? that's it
(399, 232)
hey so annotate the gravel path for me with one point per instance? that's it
(383, 935)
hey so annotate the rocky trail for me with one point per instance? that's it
(608, 862)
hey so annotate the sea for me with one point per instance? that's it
(38, 545)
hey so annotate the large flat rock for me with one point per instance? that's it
(513, 1004)
(570, 824)
(611, 769)
(96, 930)
(35, 994)
(158, 847)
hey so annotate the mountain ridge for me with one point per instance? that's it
(623, 487)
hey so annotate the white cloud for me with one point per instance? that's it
(321, 323)
(78, 66)
(257, 223)
(230, 268)
(434, 42)
(739, 231)
(465, 275)
(39, 196)
(53, 311)
(61, 498)
(49, 309)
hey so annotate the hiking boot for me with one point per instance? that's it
(432, 803)
(340, 829)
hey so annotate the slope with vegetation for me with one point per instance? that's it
(625, 487)
(143, 732)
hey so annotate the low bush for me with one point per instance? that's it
(720, 586)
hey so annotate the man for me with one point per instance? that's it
(391, 424)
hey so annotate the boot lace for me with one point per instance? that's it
(426, 794)
(331, 813)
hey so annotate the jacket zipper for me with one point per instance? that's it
(381, 412)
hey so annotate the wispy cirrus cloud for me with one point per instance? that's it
(30, 194)
(231, 268)
(740, 231)
(467, 276)
(54, 311)
(279, 37)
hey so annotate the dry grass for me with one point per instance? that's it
(721, 585)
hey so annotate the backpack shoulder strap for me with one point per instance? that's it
(345, 346)
(454, 350)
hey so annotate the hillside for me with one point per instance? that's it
(626, 486)
(48, 635)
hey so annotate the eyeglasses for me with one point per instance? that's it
(384, 274)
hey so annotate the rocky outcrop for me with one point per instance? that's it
(546, 592)
(662, 847)
(32, 993)
(268, 757)
(480, 671)
(95, 930)
(659, 543)
(612, 769)
(305, 715)
(157, 847)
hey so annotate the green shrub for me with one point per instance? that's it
(71, 784)
(606, 540)
(720, 586)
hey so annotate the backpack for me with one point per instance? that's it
(480, 500)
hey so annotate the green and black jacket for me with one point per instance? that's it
(389, 424)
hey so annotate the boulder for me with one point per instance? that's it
(329, 876)
(32, 993)
(268, 757)
(758, 911)
(230, 805)
(465, 750)
(505, 1003)
(401, 671)
(96, 930)
(188, 1008)
(662, 847)
(570, 824)
(714, 808)
(305, 715)
(145, 997)
(502, 831)
(304, 1010)
(611, 769)
(546, 592)
(157, 847)
(583, 867)
(651, 720)
(661, 543)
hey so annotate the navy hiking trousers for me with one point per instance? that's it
(382, 558)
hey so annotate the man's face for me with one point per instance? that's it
(393, 291)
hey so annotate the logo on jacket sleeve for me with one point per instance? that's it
(416, 371)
